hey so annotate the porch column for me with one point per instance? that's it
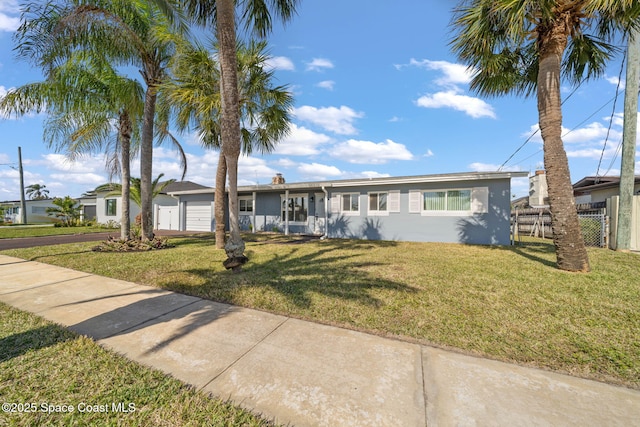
(253, 210)
(286, 212)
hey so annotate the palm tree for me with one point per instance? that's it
(37, 191)
(135, 194)
(128, 32)
(256, 15)
(66, 210)
(525, 47)
(83, 98)
(193, 93)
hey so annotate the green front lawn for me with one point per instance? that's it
(507, 303)
(51, 376)
(48, 230)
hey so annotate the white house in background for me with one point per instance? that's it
(462, 207)
(108, 207)
(36, 211)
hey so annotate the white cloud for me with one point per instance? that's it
(60, 163)
(91, 180)
(253, 169)
(319, 64)
(616, 81)
(280, 63)
(474, 107)
(367, 152)
(286, 163)
(592, 132)
(370, 174)
(488, 167)
(317, 171)
(454, 74)
(326, 84)
(429, 153)
(301, 142)
(7, 21)
(336, 120)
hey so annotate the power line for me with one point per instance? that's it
(569, 131)
(611, 118)
(538, 130)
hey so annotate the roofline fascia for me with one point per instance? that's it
(474, 176)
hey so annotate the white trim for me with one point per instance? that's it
(479, 201)
(349, 212)
(251, 204)
(377, 212)
(286, 220)
(415, 201)
(393, 201)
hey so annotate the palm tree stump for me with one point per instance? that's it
(235, 255)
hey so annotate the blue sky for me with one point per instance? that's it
(377, 93)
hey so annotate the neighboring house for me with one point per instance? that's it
(592, 189)
(88, 201)
(606, 190)
(36, 211)
(462, 207)
(108, 207)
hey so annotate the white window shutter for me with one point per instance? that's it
(415, 197)
(480, 200)
(394, 201)
(335, 203)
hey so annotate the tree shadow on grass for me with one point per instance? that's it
(34, 339)
(535, 251)
(334, 269)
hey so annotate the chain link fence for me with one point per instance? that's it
(594, 229)
(537, 223)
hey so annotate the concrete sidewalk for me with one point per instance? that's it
(304, 373)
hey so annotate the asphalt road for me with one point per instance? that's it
(29, 242)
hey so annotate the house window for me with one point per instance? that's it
(378, 203)
(351, 203)
(110, 207)
(447, 200)
(245, 206)
(38, 210)
(295, 208)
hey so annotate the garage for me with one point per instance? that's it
(198, 215)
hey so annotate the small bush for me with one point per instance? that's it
(132, 245)
(111, 224)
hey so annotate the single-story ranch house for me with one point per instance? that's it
(459, 207)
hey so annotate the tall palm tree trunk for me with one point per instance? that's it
(219, 202)
(125, 169)
(146, 159)
(230, 126)
(567, 236)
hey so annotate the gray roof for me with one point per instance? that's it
(181, 186)
(465, 176)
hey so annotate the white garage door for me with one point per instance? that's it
(199, 215)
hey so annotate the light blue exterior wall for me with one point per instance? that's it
(492, 227)
(488, 223)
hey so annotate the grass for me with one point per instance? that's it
(48, 230)
(48, 366)
(506, 303)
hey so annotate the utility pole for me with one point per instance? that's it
(627, 168)
(23, 203)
